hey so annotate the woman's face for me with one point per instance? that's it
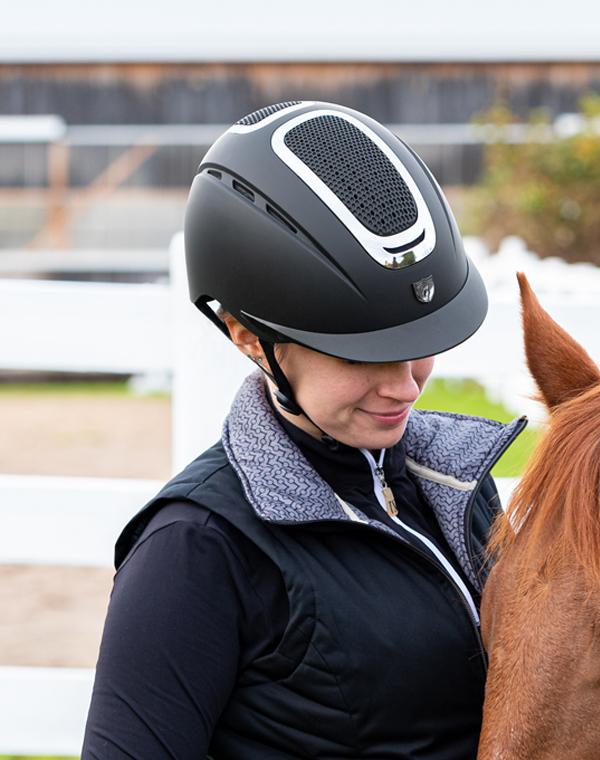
(360, 404)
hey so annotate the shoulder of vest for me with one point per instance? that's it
(205, 479)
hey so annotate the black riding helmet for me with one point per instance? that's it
(312, 223)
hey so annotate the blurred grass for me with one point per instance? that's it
(469, 397)
(112, 388)
(99, 388)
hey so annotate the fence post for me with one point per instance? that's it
(207, 370)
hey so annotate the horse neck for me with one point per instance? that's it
(543, 685)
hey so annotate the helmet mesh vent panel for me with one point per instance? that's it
(357, 171)
(262, 113)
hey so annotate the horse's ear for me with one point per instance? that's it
(560, 367)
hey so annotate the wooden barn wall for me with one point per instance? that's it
(221, 93)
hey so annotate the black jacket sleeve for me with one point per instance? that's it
(172, 644)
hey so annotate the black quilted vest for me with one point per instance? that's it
(360, 671)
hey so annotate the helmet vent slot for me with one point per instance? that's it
(357, 171)
(280, 218)
(243, 190)
(214, 173)
(262, 113)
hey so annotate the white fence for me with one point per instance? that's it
(153, 328)
(84, 326)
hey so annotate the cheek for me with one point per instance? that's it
(421, 369)
(346, 392)
(339, 393)
(319, 384)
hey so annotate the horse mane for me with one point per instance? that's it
(553, 517)
(555, 508)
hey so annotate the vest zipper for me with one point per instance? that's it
(396, 537)
(388, 495)
(379, 484)
(354, 522)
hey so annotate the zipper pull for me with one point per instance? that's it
(390, 502)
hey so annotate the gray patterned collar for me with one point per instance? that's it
(447, 453)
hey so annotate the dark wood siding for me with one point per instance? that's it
(221, 93)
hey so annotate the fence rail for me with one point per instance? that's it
(43, 710)
(66, 521)
(84, 327)
(78, 519)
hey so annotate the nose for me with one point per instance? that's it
(395, 381)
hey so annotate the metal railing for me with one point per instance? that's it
(115, 186)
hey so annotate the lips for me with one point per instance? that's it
(389, 418)
(389, 414)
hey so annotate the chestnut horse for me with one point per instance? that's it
(541, 603)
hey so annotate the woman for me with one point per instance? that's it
(309, 586)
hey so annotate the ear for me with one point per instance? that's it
(246, 341)
(561, 368)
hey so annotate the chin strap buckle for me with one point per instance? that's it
(289, 406)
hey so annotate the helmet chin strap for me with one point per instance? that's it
(285, 395)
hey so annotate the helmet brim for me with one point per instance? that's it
(439, 331)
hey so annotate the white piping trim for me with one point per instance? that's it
(429, 544)
(439, 477)
(348, 509)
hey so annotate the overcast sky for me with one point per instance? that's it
(238, 30)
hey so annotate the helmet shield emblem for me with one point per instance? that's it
(424, 289)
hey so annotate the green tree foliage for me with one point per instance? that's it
(545, 189)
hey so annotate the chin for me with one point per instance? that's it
(391, 440)
(370, 438)
(381, 440)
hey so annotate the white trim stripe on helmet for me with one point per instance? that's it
(418, 240)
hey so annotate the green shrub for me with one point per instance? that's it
(546, 191)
